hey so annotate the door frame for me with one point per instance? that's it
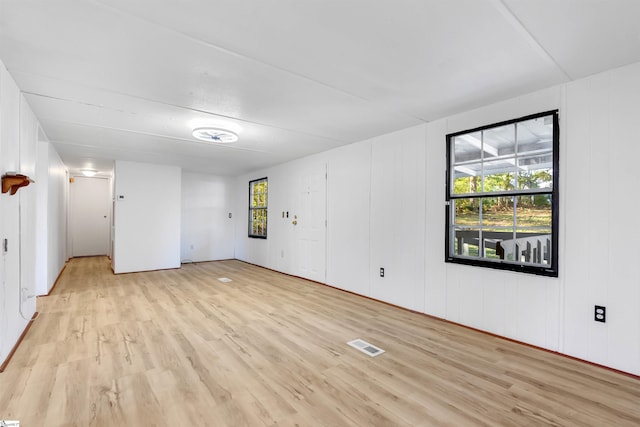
(109, 218)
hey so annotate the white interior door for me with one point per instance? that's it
(89, 214)
(311, 224)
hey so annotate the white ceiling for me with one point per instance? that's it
(130, 79)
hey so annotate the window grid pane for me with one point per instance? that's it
(258, 197)
(501, 195)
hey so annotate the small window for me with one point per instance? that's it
(258, 195)
(502, 195)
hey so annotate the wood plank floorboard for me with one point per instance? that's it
(181, 348)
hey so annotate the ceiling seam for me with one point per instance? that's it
(218, 146)
(196, 110)
(94, 147)
(249, 58)
(528, 36)
(60, 143)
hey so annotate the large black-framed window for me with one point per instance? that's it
(258, 198)
(502, 195)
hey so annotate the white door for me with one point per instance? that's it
(89, 214)
(311, 217)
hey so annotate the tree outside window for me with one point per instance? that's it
(258, 197)
(502, 195)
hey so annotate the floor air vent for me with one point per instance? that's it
(225, 280)
(366, 348)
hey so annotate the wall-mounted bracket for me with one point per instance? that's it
(12, 181)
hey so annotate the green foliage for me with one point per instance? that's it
(258, 209)
(259, 222)
(499, 182)
(259, 194)
(542, 178)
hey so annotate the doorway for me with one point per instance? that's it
(311, 217)
(89, 213)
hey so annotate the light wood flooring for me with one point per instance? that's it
(180, 348)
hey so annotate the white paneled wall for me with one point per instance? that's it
(57, 196)
(11, 322)
(385, 208)
(207, 230)
(435, 283)
(28, 208)
(349, 217)
(51, 216)
(281, 250)
(397, 217)
(256, 251)
(42, 190)
(601, 239)
(147, 217)
(515, 305)
(23, 222)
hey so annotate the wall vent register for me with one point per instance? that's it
(366, 348)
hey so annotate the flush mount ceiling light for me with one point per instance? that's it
(89, 172)
(217, 135)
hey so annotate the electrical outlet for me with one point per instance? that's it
(5, 245)
(381, 271)
(600, 313)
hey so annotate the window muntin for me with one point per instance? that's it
(258, 197)
(502, 195)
